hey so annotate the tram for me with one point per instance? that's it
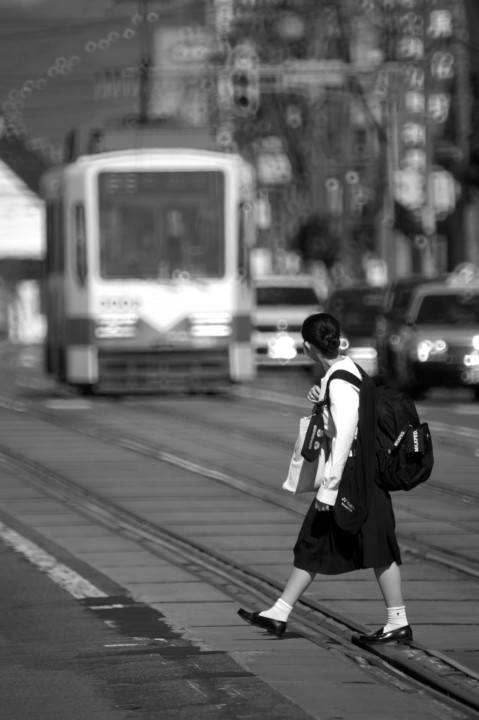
(147, 268)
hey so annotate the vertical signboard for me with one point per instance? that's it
(181, 52)
(427, 58)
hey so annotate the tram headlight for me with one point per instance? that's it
(113, 326)
(211, 324)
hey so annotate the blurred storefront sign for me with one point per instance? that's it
(376, 271)
(180, 58)
(113, 83)
(312, 76)
(409, 188)
(427, 71)
(443, 191)
(263, 211)
(273, 166)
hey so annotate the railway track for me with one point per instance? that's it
(413, 667)
(465, 437)
(229, 426)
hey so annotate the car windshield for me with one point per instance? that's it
(401, 298)
(451, 309)
(285, 296)
(356, 310)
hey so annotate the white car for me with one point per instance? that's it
(283, 302)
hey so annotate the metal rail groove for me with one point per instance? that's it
(457, 686)
(7, 403)
(440, 428)
(410, 545)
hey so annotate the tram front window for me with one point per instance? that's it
(156, 225)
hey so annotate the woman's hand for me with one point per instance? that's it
(313, 395)
(321, 507)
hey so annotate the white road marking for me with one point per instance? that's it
(68, 404)
(12, 405)
(106, 607)
(62, 575)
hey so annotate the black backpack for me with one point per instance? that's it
(404, 453)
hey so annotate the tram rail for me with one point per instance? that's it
(259, 490)
(465, 436)
(453, 683)
(411, 668)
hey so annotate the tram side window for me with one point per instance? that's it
(81, 266)
(244, 239)
(55, 238)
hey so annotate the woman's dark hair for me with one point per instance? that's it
(323, 331)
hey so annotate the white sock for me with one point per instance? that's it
(279, 611)
(396, 618)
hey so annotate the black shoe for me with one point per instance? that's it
(401, 635)
(277, 627)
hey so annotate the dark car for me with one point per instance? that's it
(438, 342)
(356, 307)
(390, 319)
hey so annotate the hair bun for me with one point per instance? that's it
(331, 341)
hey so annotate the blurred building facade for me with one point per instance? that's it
(358, 117)
(22, 244)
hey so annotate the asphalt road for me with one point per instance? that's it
(110, 657)
(50, 649)
(59, 646)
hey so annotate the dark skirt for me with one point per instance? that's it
(322, 547)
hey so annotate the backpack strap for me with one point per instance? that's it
(341, 375)
(352, 379)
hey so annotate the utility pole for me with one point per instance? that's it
(145, 65)
(463, 64)
(145, 62)
(391, 161)
(428, 259)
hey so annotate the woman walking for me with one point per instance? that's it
(323, 547)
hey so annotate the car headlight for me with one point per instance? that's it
(364, 353)
(471, 360)
(430, 348)
(282, 347)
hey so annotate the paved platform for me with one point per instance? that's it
(293, 678)
(316, 681)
